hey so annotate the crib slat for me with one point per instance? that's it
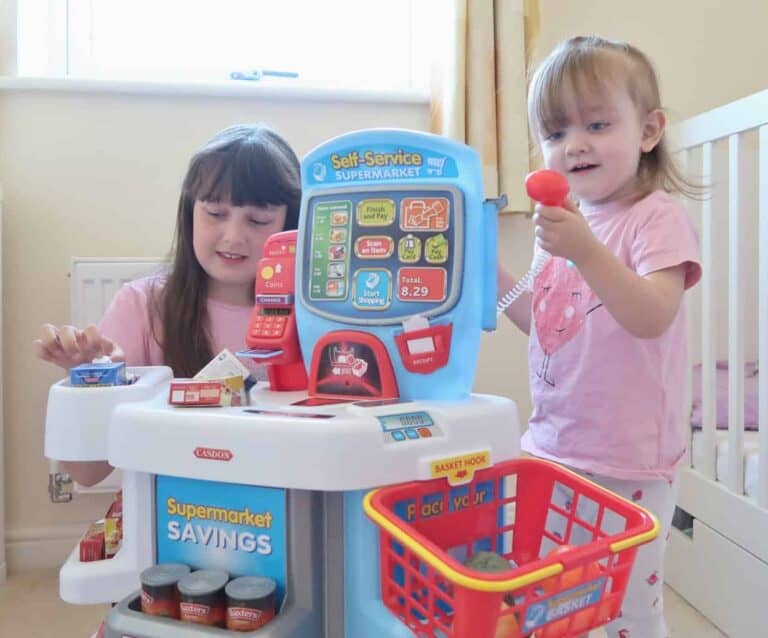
(735, 321)
(708, 322)
(683, 161)
(762, 301)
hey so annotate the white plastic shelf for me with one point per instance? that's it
(77, 420)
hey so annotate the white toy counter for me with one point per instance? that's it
(320, 457)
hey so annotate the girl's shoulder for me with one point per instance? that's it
(659, 210)
(659, 202)
(146, 285)
(139, 292)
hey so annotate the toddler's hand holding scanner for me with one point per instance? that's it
(67, 346)
(561, 230)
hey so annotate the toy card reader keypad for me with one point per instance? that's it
(408, 426)
(270, 322)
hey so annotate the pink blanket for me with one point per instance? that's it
(721, 405)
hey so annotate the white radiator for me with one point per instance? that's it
(93, 284)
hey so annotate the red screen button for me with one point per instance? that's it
(422, 284)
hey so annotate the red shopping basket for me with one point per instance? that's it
(572, 544)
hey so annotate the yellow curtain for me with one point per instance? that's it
(478, 93)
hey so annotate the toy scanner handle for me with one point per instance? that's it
(550, 188)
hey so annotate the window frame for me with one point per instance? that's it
(50, 45)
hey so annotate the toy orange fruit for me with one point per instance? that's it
(571, 578)
(507, 626)
(565, 580)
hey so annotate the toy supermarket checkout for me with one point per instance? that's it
(249, 511)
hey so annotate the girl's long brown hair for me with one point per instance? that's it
(243, 165)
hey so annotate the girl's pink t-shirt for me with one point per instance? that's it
(126, 322)
(605, 401)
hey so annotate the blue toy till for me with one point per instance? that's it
(393, 226)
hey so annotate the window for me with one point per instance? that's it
(363, 44)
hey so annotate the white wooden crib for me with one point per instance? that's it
(718, 552)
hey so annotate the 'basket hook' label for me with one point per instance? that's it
(460, 469)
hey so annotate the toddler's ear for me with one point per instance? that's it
(653, 129)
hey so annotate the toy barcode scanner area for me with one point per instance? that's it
(364, 491)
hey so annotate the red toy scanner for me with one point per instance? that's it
(550, 188)
(547, 187)
(272, 334)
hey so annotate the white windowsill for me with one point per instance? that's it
(233, 89)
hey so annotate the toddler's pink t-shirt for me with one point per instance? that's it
(605, 401)
(126, 322)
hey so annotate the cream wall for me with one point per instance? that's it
(97, 174)
(707, 52)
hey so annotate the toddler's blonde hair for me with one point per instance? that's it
(589, 65)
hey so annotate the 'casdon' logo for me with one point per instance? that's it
(213, 454)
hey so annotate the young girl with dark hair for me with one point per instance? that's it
(240, 188)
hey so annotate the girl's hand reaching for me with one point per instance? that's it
(563, 232)
(68, 346)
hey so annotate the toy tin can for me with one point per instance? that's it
(201, 596)
(250, 602)
(159, 594)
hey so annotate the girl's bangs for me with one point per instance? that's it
(584, 75)
(241, 176)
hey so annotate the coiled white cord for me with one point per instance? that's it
(525, 282)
